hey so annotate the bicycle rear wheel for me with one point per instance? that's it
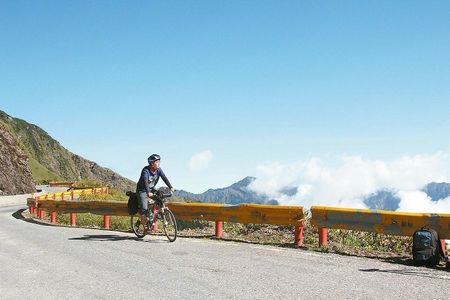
(137, 227)
(169, 224)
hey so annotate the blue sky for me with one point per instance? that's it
(240, 83)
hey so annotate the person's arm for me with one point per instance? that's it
(164, 178)
(146, 175)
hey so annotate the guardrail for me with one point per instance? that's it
(244, 213)
(379, 221)
(323, 217)
(61, 183)
(72, 194)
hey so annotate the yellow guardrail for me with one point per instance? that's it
(244, 213)
(71, 194)
(61, 183)
(379, 221)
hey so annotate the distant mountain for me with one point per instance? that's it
(383, 199)
(233, 194)
(437, 191)
(388, 199)
(48, 159)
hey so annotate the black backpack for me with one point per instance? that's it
(133, 205)
(426, 248)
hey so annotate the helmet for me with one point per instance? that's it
(153, 157)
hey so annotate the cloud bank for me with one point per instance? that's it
(354, 178)
(201, 160)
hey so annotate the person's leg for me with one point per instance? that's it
(143, 207)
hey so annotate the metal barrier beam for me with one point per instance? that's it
(387, 222)
(70, 194)
(244, 213)
(61, 183)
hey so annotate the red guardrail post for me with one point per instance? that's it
(36, 200)
(53, 217)
(323, 237)
(219, 229)
(298, 235)
(73, 219)
(106, 220)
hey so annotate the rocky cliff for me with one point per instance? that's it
(15, 174)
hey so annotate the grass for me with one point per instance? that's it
(119, 223)
(41, 175)
(339, 241)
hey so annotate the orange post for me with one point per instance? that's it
(298, 235)
(323, 237)
(219, 229)
(106, 221)
(53, 217)
(73, 219)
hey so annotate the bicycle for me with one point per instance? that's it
(163, 216)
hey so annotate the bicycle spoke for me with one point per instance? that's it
(169, 224)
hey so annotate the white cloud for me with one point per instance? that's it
(200, 160)
(418, 201)
(352, 179)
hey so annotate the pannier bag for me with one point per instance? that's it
(132, 203)
(426, 248)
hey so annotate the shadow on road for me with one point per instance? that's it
(18, 215)
(112, 238)
(409, 272)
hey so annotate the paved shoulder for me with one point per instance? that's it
(54, 262)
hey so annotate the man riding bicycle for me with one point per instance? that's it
(146, 185)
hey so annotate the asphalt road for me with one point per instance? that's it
(40, 261)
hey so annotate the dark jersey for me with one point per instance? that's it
(148, 180)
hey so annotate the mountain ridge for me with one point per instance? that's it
(236, 193)
(49, 160)
(383, 199)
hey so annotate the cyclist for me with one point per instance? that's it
(146, 185)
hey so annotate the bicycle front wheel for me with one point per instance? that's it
(169, 224)
(137, 227)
